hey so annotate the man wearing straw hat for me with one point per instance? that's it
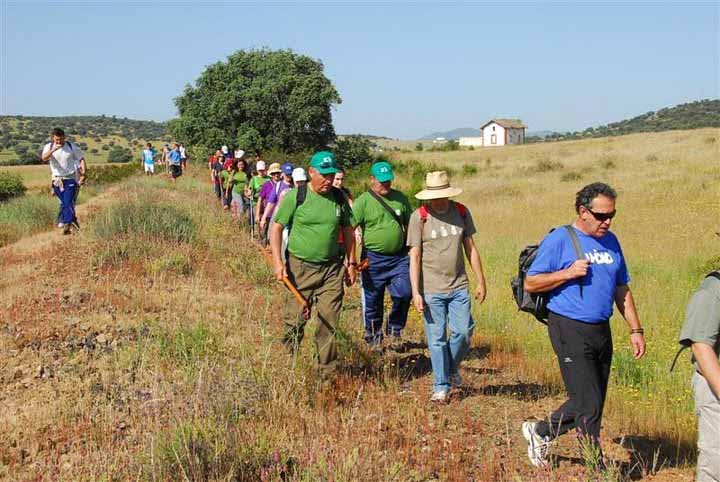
(439, 234)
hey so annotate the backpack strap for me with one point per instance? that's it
(712, 274)
(578, 248)
(387, 208)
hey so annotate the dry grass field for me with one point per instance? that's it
(668, 213)
(150, 352)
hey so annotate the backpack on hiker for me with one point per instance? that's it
(536, 303)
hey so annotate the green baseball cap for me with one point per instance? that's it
(382, 171)
(324, 162)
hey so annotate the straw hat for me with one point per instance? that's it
(437, 186)
(274, 167)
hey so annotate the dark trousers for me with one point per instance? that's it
(218, 190)
(391, 272)
(584, 352)
(67, 198)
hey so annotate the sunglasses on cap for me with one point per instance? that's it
(601, 216)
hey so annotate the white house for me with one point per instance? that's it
(500, 132)
(470, 141)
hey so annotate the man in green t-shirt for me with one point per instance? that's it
(315, 214)
(383, 215)
(701, 332)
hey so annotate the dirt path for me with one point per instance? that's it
(77, 385)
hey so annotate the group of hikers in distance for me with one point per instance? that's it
(322, 238)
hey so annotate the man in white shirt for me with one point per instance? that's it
(67, 165)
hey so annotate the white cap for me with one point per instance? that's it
(239, 153)
(299, 174)
(260, 166)
(224, 149)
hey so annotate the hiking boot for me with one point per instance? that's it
(441, 396)
(456, 381)
(538, 446)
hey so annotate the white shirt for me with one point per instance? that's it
(65, 161)
(182, 153)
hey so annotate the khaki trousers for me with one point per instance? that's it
(322, 286)
(707, 408)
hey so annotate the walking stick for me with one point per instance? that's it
(300, 298)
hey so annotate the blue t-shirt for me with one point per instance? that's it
(174, 157)
(607, 270)
(149, 156)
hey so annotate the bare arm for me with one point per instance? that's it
(415, 260)
(473, 257)
(626, 305)
(349, 237)
(708, 364)
(46, 156)
(276, 247)
(539, 283)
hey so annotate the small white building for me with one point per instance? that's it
(470, 141)
(439, 141)
(501, 132)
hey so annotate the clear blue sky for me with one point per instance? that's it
(402, 69)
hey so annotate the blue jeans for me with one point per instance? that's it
(391, 272)
(67, 200)
(443, 310)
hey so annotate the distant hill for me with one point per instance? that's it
(22, 136)
(454, 134)
(693, 115)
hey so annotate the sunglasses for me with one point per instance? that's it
(601, 216)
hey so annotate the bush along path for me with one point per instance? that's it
(151, 352)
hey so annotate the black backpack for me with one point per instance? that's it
(536, 303)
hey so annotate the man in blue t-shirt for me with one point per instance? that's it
(175, 162)
(580, 294)
(148, 157)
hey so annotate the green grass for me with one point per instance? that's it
(26, 215)
(147, 218)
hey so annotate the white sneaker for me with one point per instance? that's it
(538, 446)
(439, 397)
(456, 381)
(61, 225)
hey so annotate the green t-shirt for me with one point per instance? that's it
(315, 225)
(702, 322)
(238, 181)
(256, 183)
(224, 176)
(381, 233)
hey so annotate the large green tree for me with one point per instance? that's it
(259, 99)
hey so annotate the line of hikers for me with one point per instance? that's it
(571, 280)
(574, 277)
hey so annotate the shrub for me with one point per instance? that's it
(469, 169)
(108, 174)
(105, 147)
(571, 176)
(353, 151)
(120, 154)
(11, 185)
(546, 165)
(419, 146)
(651, 158)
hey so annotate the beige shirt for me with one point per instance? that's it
(441, 240)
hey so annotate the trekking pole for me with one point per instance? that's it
(252, 220)
(300, 298)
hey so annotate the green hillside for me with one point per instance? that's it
(21, 137)
(693, 115)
